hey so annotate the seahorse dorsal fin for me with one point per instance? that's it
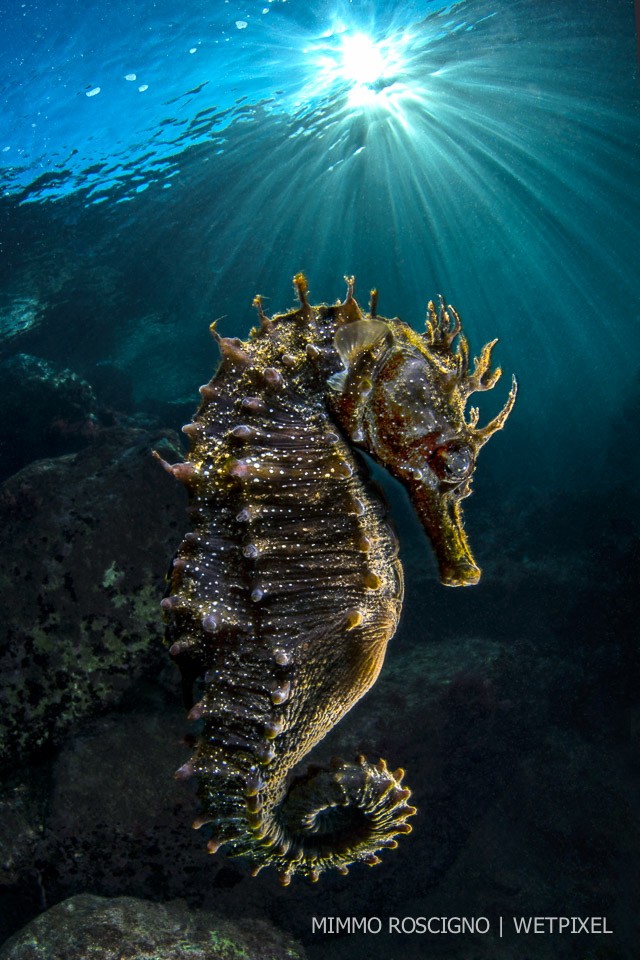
(352, 339)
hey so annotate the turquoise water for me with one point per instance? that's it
(162, 162)
(494, 159)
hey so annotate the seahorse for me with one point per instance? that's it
(284, 595)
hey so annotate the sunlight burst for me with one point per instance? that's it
(356, 64)
(362, 59)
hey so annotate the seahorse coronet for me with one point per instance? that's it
(283, 598)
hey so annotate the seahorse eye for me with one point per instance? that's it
(452, 462)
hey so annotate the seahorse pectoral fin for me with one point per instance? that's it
(441, 517)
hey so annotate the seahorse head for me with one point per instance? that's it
(402, 397)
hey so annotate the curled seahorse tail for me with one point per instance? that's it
(331, 818)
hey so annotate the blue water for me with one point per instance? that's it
(162, 162)
(194, 154)
(167, 78)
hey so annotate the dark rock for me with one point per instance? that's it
(84, 549)
(21, 828)
(128, 929)
(107, 796)
(46, 411)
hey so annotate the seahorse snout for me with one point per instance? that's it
(462, 574)
(441, 517)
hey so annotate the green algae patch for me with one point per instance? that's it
(112, 575)
(96, 928)
(81, 576)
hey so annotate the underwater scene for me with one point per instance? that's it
(320, 391)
